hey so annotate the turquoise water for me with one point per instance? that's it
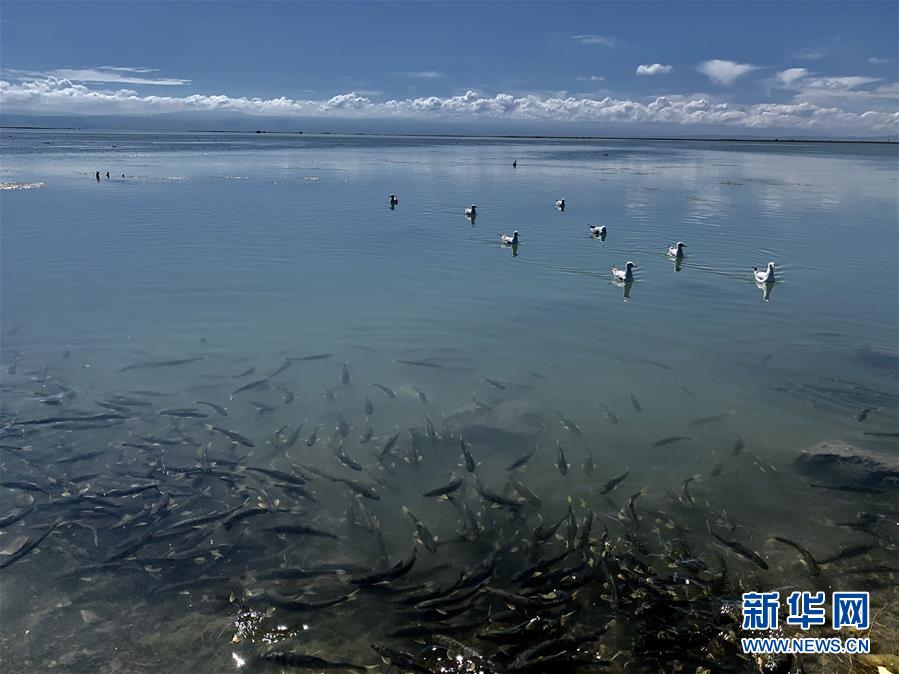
(246, 249)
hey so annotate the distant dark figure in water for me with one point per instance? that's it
(98, 176)
(123, 175)
(393, 201)
(107, 175)
(515, 164)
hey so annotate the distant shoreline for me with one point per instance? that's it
(683, 139)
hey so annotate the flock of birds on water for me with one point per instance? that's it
(763, 277)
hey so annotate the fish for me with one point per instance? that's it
(561, 462)
(29, 545)
(342, 426)
(614, 482)
(289, 395)
(610, 415)
(704, 421)
(317, 356)
(161, 363)
(84, 456)
(369, 408)
(388, 391)
(258, 383)
(631, 505)
(419, 363)
(861, 416)
(737, 446)
(636, 403)
(423, 535)
(405, 662)
(313, 437)
(740, 549)
(344, 375)
(568, 424)
(470, 464)
(15, 516)
(522, 460)
(305, 661)
(286, 363)
(881, 435)
(670, 440)
(525, 493)
(300, 530)
(847, 553)
(217, 408)
(278, 439)
(387, 446)
(262, 407)
(718, 468)
(853, 488)
(448, 488)
(494, 383)
(430, 431)
(245, 373)
(329, 395)
(421, 395)
(401, 568)
(588, 461)
(299, 605)
(810, 563)
(536, 375)
(496, 499)
(346, 459)
(24, 486)
(685, 496)
(367, 435)
(654, 363)
(232, 435)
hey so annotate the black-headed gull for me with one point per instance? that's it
(597, 230)
(509, 240)
(393, 200)
(626, 274)
(471, 211)
(766, 276)
(560, 204)
(677, 250)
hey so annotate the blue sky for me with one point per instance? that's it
(823, 67)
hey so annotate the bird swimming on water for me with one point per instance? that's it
(509, 240)
(597, 230)
(677, 250)
(766, 276)
(626, 274)
(393, 200)
(471, 211)
(560, 204)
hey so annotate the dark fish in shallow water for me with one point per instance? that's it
(185, 412)
(81, 457)
(388, 391)
(614, 482)
(737, 446)
(537, 375)
(313, 437)
(610, 415)
(245, 373)
(704, 421)
(853, 488)
(299, 605)
(430, 431)
(470, 464)
(568, 424)
(861, 416)
(300, 530)
(686, 497)
(850, 552)
(718, 468)
(289, 395)
(810, 563)
(317, 356)
(655, 363)
(14, 517)
(423, 536)
(283, 366)
(262, 407)
(494, 383)
(881, 435)
(369, 408)
(329, 395)
(405, 662)
(367, 435)
(29, 545)
(525, 493)
(670, 440)
(496, 499)
(588, 461)
(740, 549)
(346, 459)
(345, 375)
(388, 445)
(448, 488)
(418, 363)
(398, 570)
(259, 383)
(636, 403)
(304, 661)
(561, 462)
(342, 426)
(218, 408)
(161, 363)
(522, 460)
(421, 395)
(234, 437)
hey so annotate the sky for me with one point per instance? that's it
(823, 68)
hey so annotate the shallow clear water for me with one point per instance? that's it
(246, 249)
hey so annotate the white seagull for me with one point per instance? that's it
(597, 230)
(509, 240)
(626, 274)
(677, 250)
(766, 276)
(471, 211)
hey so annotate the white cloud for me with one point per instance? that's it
(104, 74)
(601, 40)
(724, 72)
(809, 54)
(877, 60)
(422, 75)
(591, 78)
(58, 96)
(838, 84)
(654, 69)
(790, 75)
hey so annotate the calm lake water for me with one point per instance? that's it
(255, 251)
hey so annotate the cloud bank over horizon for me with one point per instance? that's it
(818, 104)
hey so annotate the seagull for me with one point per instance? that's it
(766, 276)
(509, 240)
(560, 204)
(626, 274)
(471, 211)
(597, 230)
(393, 200)
(677, 250)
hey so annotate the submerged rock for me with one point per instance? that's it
(839, 462)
